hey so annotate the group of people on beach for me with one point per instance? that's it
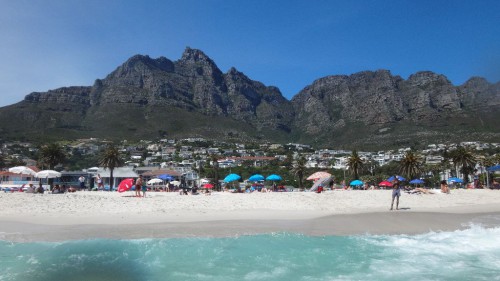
(396, 191)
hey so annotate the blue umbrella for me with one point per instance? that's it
(232, 177)
(453, 179)
(356, 182)
(400, 178)
(166, 177)
(416, 181)
(493, 168)
(256, 177)
(273, 177)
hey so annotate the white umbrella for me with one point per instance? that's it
(153, 181)
(48, 174)
(176, 183)
(319, 175)
(22, 170)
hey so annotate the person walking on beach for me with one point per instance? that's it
(138, 186)
(396, 192)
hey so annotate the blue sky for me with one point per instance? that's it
(54, 43)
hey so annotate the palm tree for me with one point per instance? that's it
(464, 159)
(410, 165)
(355, 164)
(299, 169)
(52, 155)
(111, 159)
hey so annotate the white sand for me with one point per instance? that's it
(243, 213)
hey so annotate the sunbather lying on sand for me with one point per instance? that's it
(420, 190)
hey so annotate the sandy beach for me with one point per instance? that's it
(88, 215)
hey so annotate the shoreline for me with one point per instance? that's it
(376, 223)
(82, 216)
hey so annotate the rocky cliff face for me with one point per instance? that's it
(147, 97)
(193, 84)
(372, 103)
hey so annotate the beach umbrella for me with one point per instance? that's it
(48, 174)
(416, 181)
(455, 180)
(319, 175)
(166, 177)
(125, 185)
(208, 185)
(493, 168)
(232, 177)
(273, 177)
(22, 170)
(356, 182)
(400, 178)
(153, 181)
(385, 183)
(256, 177)
(176, 183)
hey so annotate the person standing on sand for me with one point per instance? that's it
(100, 184)
(396, 192)
(81, 179)
(138, 186)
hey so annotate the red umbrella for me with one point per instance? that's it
(208, 185)
(385, 183)
(125, 185)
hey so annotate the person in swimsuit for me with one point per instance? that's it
(396, 192)
(138, 186)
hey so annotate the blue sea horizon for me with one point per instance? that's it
(470, 254)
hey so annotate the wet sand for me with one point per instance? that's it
(86, 215)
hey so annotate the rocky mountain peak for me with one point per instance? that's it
(195, 56)
(427, 77)
(195, 63)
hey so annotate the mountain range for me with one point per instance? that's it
(148, 98)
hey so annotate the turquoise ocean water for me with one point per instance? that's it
(471, 254)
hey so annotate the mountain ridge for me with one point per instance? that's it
(147, 98)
